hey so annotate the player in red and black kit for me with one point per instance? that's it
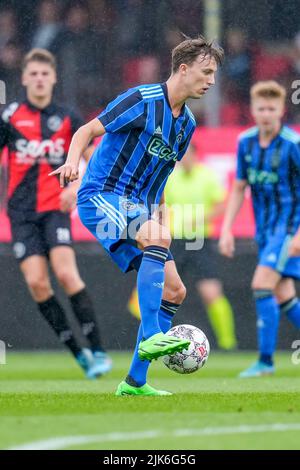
(37, 133)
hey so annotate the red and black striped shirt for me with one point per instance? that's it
(38, 141)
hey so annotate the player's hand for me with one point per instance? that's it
(227, 244)
(67, 173)
(67, 199)
(294, 248)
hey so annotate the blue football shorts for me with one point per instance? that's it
(114, 221)
(274, 254)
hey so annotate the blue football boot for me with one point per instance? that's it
(86, 360)
(258, 369)
(102, 364)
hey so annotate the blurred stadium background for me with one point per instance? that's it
(106, 46)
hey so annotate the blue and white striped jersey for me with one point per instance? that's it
(273, 174)
(142, 143)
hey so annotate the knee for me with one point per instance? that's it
(157, 235)
(39, 287)
(67, 279)
(284, 294)
(209, 290)
(175, 293)
(257, 285)
(166, 240)
(285, 291)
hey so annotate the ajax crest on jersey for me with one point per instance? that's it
(193, 358)
(128, 205)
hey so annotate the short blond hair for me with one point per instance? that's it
(39, 55)
(267, 89)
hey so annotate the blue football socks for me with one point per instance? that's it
(150, 284)
(267, 311)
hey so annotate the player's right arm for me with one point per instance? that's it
(235, 201)
(236, 198)
(80, 141)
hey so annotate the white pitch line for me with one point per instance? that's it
(57, 443)
(69, 441)
(244, 429)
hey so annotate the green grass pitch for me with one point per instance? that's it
(46, 403)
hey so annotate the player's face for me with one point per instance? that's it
(199, 76)
(39, 79)
(267, 113)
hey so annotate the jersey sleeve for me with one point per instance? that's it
(124, 113)
(4, 133)
(241, 169)
(296, 155)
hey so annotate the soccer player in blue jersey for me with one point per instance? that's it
(269, 161)
(147, 129)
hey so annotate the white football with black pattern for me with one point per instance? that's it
(193, 358)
